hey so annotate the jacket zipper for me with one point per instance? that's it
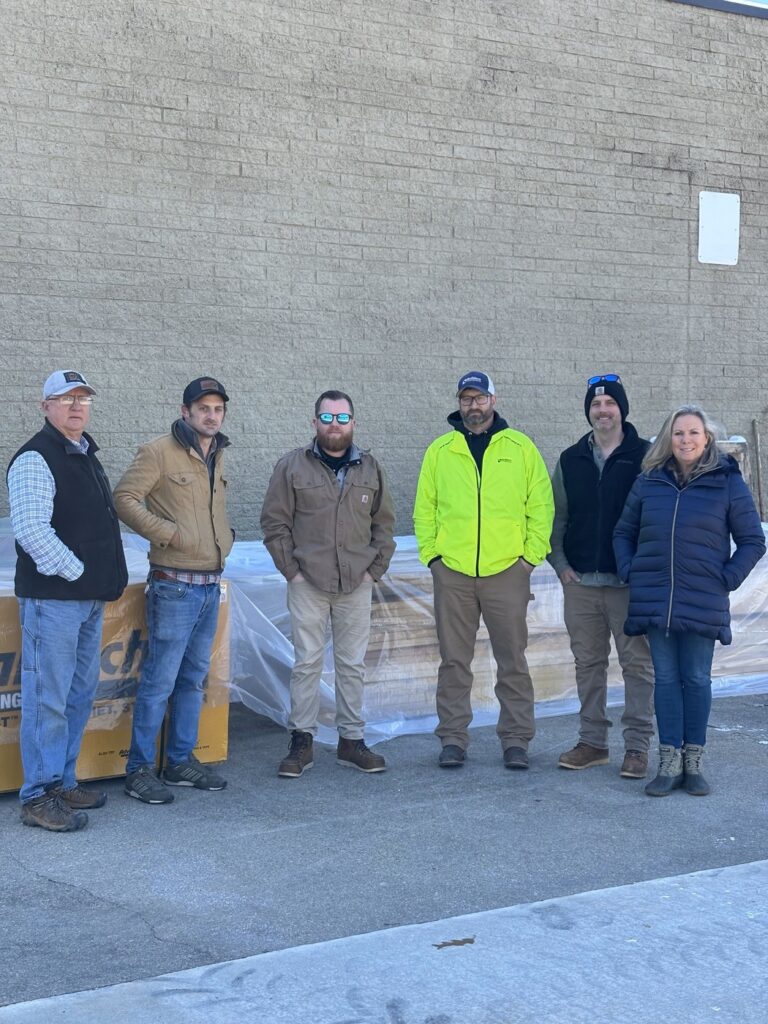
(101, 484)
(479, 513)
(672, 540)
(672, 562)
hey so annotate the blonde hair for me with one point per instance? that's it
(660, 451)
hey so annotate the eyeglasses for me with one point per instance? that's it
(477, 399)
(340, 417)
(71, 399)
(611, 378)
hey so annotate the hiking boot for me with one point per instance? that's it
(583, 756)
(355, 754)
(299, 756)
(634, 765)
(144, 785)
(515, 757)
(670, 775)
(81, 798)
(192, 773)
(452, 756)
(50, 812)
(695, 783)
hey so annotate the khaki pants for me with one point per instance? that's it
(503, 602)
(350, 618)
(592, 615)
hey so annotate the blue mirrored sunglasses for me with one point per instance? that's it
(613, 378)
(340, 417)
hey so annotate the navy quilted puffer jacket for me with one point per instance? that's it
(673, 545)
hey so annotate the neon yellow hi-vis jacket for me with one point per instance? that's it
(479, 527)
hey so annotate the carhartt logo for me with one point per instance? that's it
(600, 390)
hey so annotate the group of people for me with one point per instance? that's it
(639, 535)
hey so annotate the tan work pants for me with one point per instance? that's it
(502, 600)
(350, 618)
(592, 616)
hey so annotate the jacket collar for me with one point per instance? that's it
(726, 465)
(497, 424)
(629, 443)
(69, 446)
(184, 435)
(355, 453)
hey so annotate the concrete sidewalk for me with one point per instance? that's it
(272, 863)
(690, 949)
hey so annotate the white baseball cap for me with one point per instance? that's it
(63, 381)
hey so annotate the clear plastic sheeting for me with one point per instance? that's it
(402, 659)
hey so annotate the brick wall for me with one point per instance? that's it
(377, 196)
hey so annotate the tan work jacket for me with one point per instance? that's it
(332, 535)
(167, 489)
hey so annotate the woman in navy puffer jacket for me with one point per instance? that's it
(673, 545)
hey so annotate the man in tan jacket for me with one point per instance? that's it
(328, 522)
(174, 494)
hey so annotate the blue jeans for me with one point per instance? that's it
(683, 692)
(181, 622)
(60, 650)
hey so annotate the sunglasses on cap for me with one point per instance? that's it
(340, 417)
(612, 378)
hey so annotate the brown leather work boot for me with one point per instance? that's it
(634, 765)
(51, 813)
(355, 754)
(583, 756)
(299, 756)
(81, 798)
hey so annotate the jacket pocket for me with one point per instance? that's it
(310, 497)
(181, 480)
(363, 496)
(183, 507)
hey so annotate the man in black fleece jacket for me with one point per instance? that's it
(591, 482)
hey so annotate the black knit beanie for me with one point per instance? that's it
(615, 389)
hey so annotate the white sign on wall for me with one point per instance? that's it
(757, 8)
(719, 215)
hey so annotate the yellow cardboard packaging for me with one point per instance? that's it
(107, 736)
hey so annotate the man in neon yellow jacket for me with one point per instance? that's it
(483, 519)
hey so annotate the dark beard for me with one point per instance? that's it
(334, 444)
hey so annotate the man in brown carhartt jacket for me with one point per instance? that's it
(328, 524)
(174, 494)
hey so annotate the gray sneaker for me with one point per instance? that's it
(144, 785)
(194, 774)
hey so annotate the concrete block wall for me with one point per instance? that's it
(301, 194)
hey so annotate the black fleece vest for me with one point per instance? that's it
(595, 502)
(84, 518)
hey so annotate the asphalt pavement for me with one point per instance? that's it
(271, 864)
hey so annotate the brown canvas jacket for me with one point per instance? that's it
(332, 536)
(167, 488)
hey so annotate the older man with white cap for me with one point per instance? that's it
(483, 518)
(69, 563)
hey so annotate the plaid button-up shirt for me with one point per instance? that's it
(31, 490)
